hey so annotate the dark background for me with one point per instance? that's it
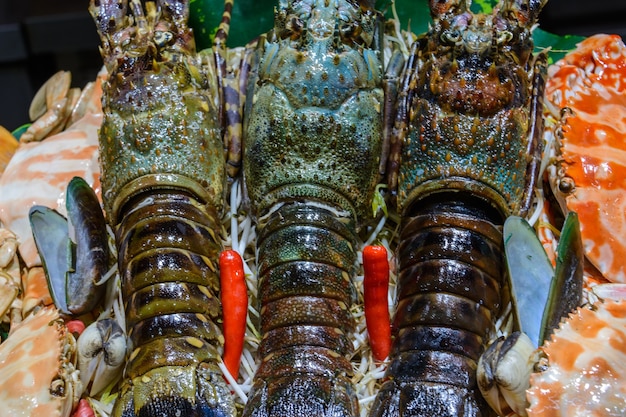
(40, 37)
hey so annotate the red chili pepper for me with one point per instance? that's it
(375, 288)
(234, 297)
(83, 409)
(76, 327)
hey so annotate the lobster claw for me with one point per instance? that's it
(74, 251)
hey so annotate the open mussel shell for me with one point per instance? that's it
(566, 290)
(531, 274)
(74, 253)
(52, 240)
(543, 295)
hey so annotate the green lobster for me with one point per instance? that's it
(313, 143)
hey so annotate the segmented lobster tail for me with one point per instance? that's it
(450, 280)
(306, 260)
(168, 251)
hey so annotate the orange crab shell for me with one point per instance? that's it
(587, 365)
(39, 173)
(591, 82)
(37, 375)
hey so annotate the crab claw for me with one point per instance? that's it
(101, 352)
(503, 373)
(74, 253)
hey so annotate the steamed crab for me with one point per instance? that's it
(582, 369)
(585, 95)
(38, 375)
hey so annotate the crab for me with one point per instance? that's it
(38, 375)
(586, 101)
(585, 362)
(581, 371)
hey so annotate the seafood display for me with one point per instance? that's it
(312, 148)
(227, 232)
(39, 171)
(465, 156)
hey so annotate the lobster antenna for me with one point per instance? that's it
(220, 55)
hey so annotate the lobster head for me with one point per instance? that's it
(347, 22)
(507, 27)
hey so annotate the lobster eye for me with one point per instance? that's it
(450, 37)
(162, 38)
(294, 25)
(504, 37)
(350, 31)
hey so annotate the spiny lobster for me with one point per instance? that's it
(312, 148)
(163, 176)
(465, 151)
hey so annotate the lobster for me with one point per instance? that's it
(465, 152)
(313, 144)
(163, 180)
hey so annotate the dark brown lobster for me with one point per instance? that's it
(465, 155)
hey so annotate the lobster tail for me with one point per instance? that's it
(306, 259)
(450, 281)
(167, 247)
